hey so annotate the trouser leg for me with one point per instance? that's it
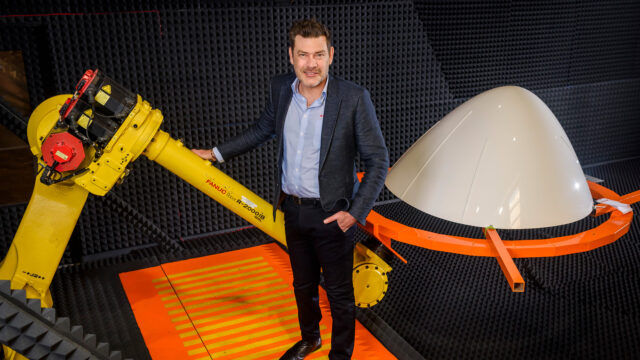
(335, 254)
(314, 245)
(306, 274)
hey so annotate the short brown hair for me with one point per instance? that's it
(309, 28)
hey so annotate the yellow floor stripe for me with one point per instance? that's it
(217, 344)
(241, 329)
(234, 313)
(226, 285)
(213, 274)
(248, 318)
(215, 267)
(251, 345)
(170, 297)
(196, 351)
(227, 298)
(230, 306)
(224, 292)
(200, 350)
(215, 280)
(279, 350)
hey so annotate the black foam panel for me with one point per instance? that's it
(598, 118)
(10, 217)
(532, 44)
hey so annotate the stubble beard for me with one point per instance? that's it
(311, 83)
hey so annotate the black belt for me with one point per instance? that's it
(304, 201)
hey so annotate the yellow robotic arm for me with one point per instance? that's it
(84, 143)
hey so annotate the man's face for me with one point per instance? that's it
(311, 58)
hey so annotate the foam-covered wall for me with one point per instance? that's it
(207, 67)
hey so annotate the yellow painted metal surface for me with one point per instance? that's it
(42, 120)
(175, 157)
(48, 221)
(370, 280)
(127, 144)
(41, 238)
(10, 354)
(103, 95)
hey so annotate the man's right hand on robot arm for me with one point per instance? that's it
(209, 154)
(206, 154)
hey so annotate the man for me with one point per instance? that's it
(320, 122)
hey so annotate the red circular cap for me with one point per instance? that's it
(63, 148)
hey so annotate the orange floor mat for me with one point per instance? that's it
(235, 305)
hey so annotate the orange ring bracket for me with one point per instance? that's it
(611, 230)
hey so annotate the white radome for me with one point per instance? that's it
(500, 159)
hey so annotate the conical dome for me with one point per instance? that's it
(499, 159)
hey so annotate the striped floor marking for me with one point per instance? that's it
(231, 306)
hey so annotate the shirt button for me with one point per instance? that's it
(301, 133)
(299, 151)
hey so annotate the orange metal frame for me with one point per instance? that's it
(616, 226)
(505, 260)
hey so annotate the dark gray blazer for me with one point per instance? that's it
(349, 127)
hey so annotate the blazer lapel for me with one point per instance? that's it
(284, 102)
(331, 109)
(281, 115)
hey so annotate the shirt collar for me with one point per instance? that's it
(294, 88)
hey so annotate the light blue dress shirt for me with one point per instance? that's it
(302, 134)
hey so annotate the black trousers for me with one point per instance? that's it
(314, 245)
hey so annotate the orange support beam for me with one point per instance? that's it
(505, 260)
(375, 230)
(631, 198)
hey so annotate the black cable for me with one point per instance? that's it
(13, 112)
(86, 129)
(19, 127)
(39, 167)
